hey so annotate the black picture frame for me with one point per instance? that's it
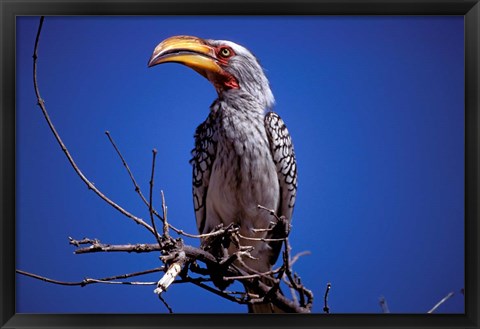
(12, 8)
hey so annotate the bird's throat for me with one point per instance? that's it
(222, 81)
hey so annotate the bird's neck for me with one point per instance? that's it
(239, 126)
(245, 101)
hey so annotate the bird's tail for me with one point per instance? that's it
(263, 307)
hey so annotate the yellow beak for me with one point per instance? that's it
(190, 51)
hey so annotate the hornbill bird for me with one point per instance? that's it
(243, 155)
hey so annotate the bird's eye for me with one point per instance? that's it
(225, 52)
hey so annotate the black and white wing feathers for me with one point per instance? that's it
(203, 156)
(283, 155)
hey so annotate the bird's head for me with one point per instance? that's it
(228, 66)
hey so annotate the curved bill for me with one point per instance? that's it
(190, 51)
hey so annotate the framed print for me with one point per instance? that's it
(334, 155)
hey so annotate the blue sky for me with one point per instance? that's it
(375, 107)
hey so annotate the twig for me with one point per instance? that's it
(165, 222)
(297, 256)
(192, 253)
(258, 230)
(271, 211)
(219, 231)
(288, 271)
(125, 164)
(217, 292)
(166, 304)
(139, 191)
(444, 299)
(251, 276)
(87, 281)
(293, 292)
(383, 304)
(90, 185)
(278, 298)
(261, 239)
(199, 279)
(293, 279)
(100, 247)
(77, 243)
(150, 203)
(326, 309)
(135, 283)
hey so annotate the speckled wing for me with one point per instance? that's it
(203, 156)
(284, 157)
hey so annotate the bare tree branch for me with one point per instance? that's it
(202, 255)
(90, 185)
(139, 191)
(297, 256)
(294, 281)
(125, 164)
(383, 304)
(87, 281)
(165, 303)
(251, 276)
(326, 309)
(444, 299)
(150, 203)
(260, 239)
(215, 291)
(165, 221)
(129, 248)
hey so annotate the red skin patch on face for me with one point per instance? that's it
(232, 84)
(225, 80)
